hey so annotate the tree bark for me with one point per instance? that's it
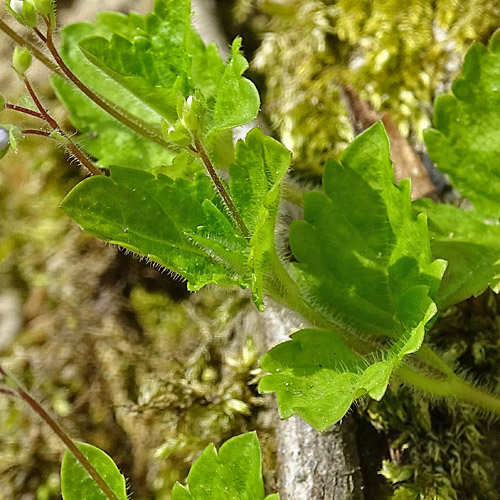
(312, 465)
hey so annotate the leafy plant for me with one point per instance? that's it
(370, 271)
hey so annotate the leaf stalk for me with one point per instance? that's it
(220, 188)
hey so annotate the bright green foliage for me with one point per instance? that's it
(153, 64)
(103, 136)
(237, 100)
(235, 473)
(76, 484)
(150, 62)
(470, 243)
(183, 225)
(255, 183)
(465, 143)
(362, 254)
(364, 258)
(158, 218)
(318, 377)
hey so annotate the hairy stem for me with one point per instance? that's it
(45, 115)
(221, 189)
(61, 434)
(32, 48)
(451, 386)
(43, 133)
(71, 146)
(22, 109)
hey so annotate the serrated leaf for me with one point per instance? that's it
(470, 242)
(255, 181)
(464, 143)
(76, 483)
(154, 64)
(362, 253)
(104, 137)
(157, 218)
(318, 377)
(235, 473)
(237, 101)
(363, 258)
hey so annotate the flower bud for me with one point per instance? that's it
(177, 133)
(4, 142)
(16, 6)
(21, 60)
(191, 111)
(23, 11)
(44, 7)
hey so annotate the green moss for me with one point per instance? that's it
(446, 451)
(396, 54)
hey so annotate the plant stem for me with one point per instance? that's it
(450, 386)
(221, 189)
(32, 48)
(22, 109)
(43, 133)
(429, 357)
(71, 146)
(61, 434)
(53, 124)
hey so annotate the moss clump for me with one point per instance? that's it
(439, 451)
(396, 54)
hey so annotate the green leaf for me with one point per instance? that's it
(318, 377)
(76, 483)
(154, 64)
(235, 473)
(237, 100)
(470, 242)
(363, 258)
(255, 181)
(104, 137)
(465, 143)
(175, 224)
(362, 254)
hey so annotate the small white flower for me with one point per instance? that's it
(17, 6)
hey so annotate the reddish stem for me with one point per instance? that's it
(61, 434)
(42, 37)
(22, 109)
(44, 133)
(71, 146)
